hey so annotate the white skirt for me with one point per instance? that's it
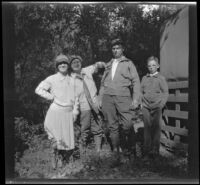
(59, 126)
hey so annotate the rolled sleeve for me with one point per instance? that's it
(43, 89)
(89, 71)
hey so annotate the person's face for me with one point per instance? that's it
(63, 67)
(152, 66)
(117, 51)
(76, 65)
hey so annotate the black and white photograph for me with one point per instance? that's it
(100, 92)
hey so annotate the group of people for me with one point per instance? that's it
(75, 99)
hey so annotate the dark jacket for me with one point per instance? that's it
(126, 77)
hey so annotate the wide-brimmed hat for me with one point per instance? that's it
(61, 58)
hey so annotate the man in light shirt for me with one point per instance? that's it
(87, 97)
(117, 101)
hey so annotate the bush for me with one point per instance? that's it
(24, 134)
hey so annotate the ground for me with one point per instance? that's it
(35, 164)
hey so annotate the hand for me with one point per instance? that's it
(75, 113)
(75, 117)
(135, 104)
(161, 106)
(99, 103)
(100, 64)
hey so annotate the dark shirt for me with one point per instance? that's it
(154, 91)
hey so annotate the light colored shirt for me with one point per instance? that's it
(59, 88)
(114, 67)
(86, 74)
(154, 73)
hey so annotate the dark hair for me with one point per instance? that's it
(117, 41)
(58, 63)
(73, 57)
(152, 58)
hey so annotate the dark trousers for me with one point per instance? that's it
(152, 129)
(117, 113)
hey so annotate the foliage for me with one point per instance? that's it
(36, 163)
(25, 133)
(45, 30)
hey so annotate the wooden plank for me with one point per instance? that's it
(178, 85)
(179, 131)
(176, 114)
(178, 123)
(180, 98)
(172, 144)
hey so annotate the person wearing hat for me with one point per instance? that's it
(117, 101)
(63, 111)
(88, 101)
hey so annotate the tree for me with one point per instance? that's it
(45, 30)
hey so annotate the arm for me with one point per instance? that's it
(90, 70)
(165, 91)
(76, 102)
(43, 89)
(141, 90)
(76, 108)
(135, 80)
(101, 91)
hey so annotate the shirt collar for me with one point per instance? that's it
(61, 77)
(77, 76)
(154, 74)
(121, 59)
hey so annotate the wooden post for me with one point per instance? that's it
(193, 150)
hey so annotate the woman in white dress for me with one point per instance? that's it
(64, 109)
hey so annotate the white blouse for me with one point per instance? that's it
(60, 89)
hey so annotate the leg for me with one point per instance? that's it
(127, 131)
(156, 126)
(110, 114)
(97, 131)
(147, 130)
(53, 153)
(85, 122)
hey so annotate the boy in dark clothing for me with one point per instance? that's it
(154, 90)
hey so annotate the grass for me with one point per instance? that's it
(35, 164)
